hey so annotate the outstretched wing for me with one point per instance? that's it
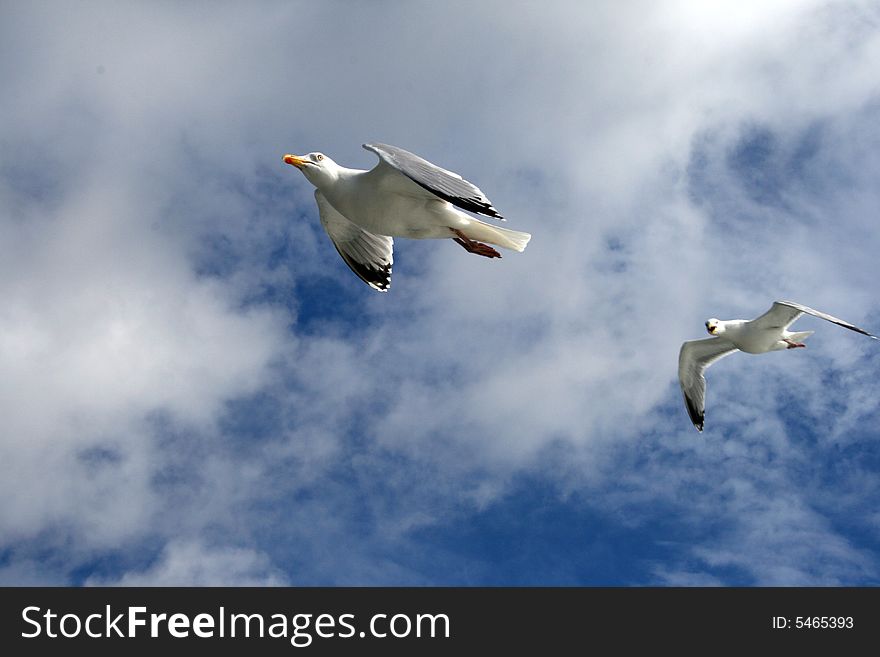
(783, 314)
(447, 185)
(693, 359)
(368, 255)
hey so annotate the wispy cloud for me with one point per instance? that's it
(188, 563)
(196, 390)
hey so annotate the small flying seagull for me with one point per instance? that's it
(402, 196)
(769, 332)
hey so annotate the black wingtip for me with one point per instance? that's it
(694, 414)
(492, 212)
(380, 285)
(377, 278)
(858, 330)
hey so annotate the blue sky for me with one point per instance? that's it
(196, 390)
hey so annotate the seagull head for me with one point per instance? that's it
(714, 326)
(318, 169)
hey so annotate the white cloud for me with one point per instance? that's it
(143, 221)
(191, 563)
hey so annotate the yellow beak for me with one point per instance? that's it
(295, 160)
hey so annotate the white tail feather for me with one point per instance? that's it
(503, 237)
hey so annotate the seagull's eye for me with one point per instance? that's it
(319, 157)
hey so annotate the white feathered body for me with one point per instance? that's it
(755, 339)
(385, 202)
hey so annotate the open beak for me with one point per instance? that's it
(295, 160)
(711, 329)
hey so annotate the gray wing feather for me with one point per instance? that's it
(369, 256)
(783, 314)
(447, 185)
(693, 359)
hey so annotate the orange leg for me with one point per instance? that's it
(475, 247)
